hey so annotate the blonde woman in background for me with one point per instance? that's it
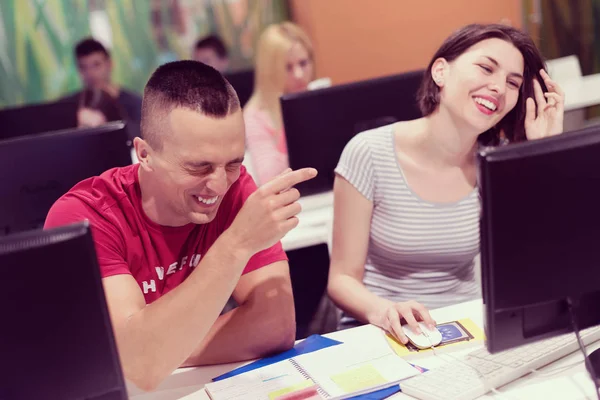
(284, 64)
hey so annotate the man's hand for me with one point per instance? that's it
(270, 212)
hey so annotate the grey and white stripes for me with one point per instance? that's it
(418, 250)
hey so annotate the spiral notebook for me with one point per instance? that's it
(338, 372)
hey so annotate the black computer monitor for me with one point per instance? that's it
(318, 124)
(243, 83)
(36, 170)
(56, 338)
(37, 118)
(540, 237)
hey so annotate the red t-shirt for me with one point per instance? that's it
(128, 242)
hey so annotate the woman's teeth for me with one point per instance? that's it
(486, 103)
(208, 201)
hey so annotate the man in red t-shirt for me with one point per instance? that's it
(179, 233)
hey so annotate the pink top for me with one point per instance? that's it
(266, 145)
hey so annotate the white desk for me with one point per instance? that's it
(315, 223)
(188, 383)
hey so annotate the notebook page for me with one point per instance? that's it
(356, 367)
(257, 384)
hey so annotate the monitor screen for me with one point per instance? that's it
(540, 236)
(36, 170)
(243, 83)
(56, 338)
(37, 118)
(318, 124)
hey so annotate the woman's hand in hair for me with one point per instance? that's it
(546, 117)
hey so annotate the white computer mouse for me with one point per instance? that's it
(428, 337)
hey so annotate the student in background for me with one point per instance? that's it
(284, 64)
(97, 107)
(95, 70)
(211, 50)
(406, 205)
(186, 228)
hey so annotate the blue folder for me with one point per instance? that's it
(308, 345)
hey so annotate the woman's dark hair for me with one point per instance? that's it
(513, 124)
(100, 100)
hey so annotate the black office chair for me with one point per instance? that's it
(309, 270)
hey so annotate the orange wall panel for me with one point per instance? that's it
(362, 39)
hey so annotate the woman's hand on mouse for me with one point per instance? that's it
(390, 318)
(547, 119)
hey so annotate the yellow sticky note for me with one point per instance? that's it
(281, 392)
(473, 329)
(400, 349)
(359, 378)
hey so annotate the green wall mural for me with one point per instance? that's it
(37, 38)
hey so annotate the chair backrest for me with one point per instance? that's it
(564, 68)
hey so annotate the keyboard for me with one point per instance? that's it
(478, 372)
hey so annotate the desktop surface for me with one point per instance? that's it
(560, 384)
(319, 123)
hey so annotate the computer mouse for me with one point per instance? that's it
(427, 338)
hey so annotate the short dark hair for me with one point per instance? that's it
(212, 42)
(88, 46)
(513, 124)
(187, 84)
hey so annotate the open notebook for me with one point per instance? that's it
(339, 372)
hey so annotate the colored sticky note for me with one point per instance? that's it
(359, 378)
(281, 392)
(473, 329)
(398, 347)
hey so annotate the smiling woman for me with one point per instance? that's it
(406, 207)
(500, 53)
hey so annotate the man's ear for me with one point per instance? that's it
(439, 71)
(144, 153)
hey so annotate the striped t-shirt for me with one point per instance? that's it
(418, 250)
